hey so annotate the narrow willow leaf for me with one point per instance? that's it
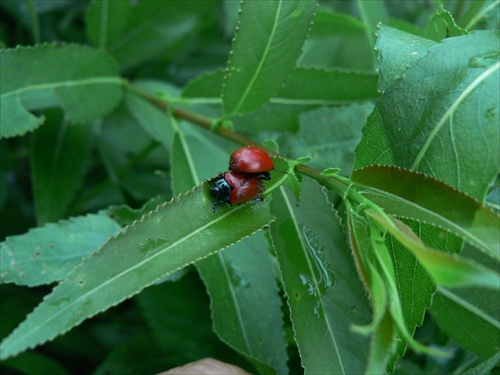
(372, 13)
(106, 20)
(236, 278)
(154, 121)
(60, 155)
(445, 269)
(155, 28)
(265, 49)
(305, 87)
(429, 200)
(381, 346)
(471, 316)
(439, 121)
(176, 234)
(416, 288)
(49, 253)
(325, 295)
(83, 81)
(486, 366)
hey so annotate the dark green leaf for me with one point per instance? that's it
(106, 20)
(60, 156)
(155, 28)
(329, 136)
(471, 317)
(441, 116)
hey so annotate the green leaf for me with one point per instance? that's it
(155, 29)
(416, 288)
(176, 234)
(381, 346)
(372, 13)
(429, 200)
(442, 25)
(470, 316)
(265, 48)
(235, 279)
(155, 122)
(338, 31)
(106, 20)
(445, 269)
(484, 367)
(83, 81)
(60, 155)
(180, 323)
(397, 51)
(324, 293)
(305, 86)
(439, 121)
(35, 363)
(329, 136)
(49, 253)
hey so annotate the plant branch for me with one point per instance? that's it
(340, 184)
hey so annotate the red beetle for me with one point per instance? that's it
(252, 160)
(235, 188)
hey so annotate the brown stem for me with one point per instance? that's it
(205, 122)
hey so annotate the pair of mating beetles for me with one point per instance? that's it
(248, 166)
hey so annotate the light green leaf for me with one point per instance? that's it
(59, 159)
(83, 81)
(164, 241)
(265, 49)
(324, 293)
(441, 120)
(442, 25)
(49, 253)
(431, 201)
(445, 269)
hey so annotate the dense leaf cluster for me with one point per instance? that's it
(115, 113)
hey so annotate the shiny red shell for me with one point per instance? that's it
(251, 159)
(243, 188)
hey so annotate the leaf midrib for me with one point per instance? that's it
(69, 83)
(261, 62)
